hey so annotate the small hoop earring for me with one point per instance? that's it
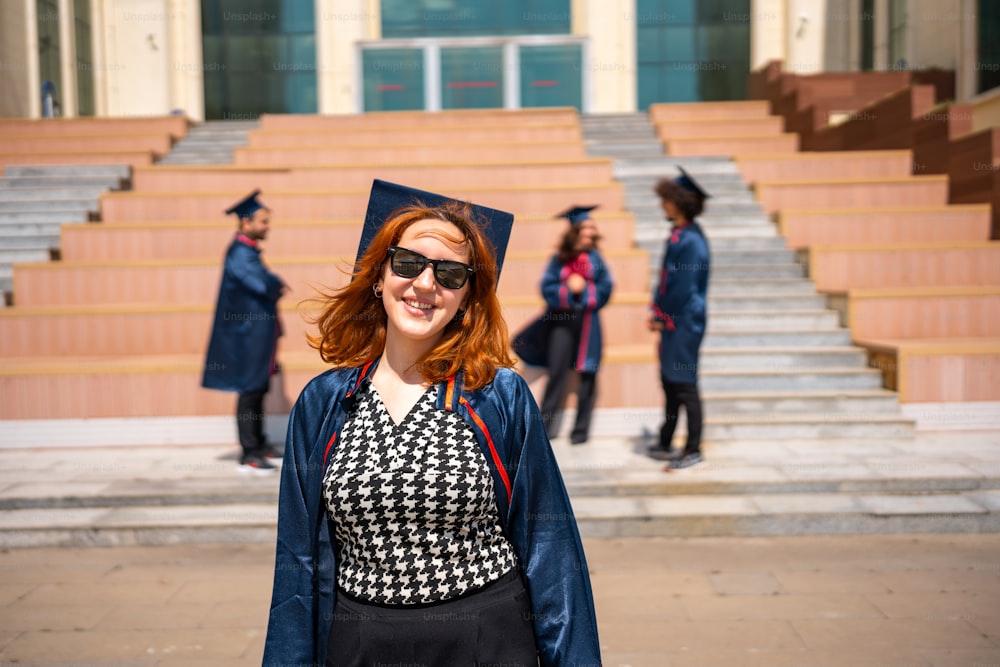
(376, 291)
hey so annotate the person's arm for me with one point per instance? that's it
(543, 529)
(556, 293)
(247, 269)
(686, 263)
(599, 290)
(291, 623)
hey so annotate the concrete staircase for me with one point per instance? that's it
(776, 364)
(800, 437)
(934, 483)
(36, 200)
(212, 142)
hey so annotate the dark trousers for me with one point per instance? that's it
(563, 343)
(492, 626)
(250, 421)
(678, 395)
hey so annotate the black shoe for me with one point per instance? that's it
(663, 453)
(256, 465)
(686, 461)
(271, 452)
(577, 439)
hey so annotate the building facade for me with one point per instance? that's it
(236, 59)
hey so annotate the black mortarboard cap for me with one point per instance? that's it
(387, 198)
(688, 183)
(246, 207)
(577, 214)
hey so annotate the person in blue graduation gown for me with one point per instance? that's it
(678, 312)
(575, 286)
(422, 517)
(242, 347)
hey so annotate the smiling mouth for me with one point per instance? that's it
(419, 305)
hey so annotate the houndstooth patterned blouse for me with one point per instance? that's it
(413, 505)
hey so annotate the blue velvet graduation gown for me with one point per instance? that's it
(587, 303)
(531, 342)
(679, 301)
(245, 332)
(533, 507)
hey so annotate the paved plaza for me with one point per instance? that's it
(818, 601)
(188, 582)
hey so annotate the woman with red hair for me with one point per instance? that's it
(422, 517)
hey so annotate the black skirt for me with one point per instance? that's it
(490, 626)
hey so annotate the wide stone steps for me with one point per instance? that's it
(728, 189)
(113, 172)
(153, 495)
(775, 359)
(36, 200)
(724, 208)
(818, 449)
(31, 253)
(748, 271)
(212, 142)
(798, 379)
(789, 286)
(57, 193)
(734, 358)
(620, 135)
(726, 243)
(31, 235)
(954, 510)
(776, 338)
(18, 183)
(775, 321)
(655, 167)
(772, 301)
(48, 215)
(768, 404)
(13, 229)
(55, 202)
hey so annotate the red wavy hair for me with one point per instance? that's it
(352, 324)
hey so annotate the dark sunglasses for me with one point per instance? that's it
(408, 264)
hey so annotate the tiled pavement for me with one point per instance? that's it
(189, 582)
(813, 601)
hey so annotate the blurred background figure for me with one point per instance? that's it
(242, 349)
(576, 285)
(678, 313)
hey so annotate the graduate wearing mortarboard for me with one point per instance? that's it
(418, 482)
(678, 312)
(242, 347)
(567, 338)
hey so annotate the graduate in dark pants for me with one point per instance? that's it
(576, 285)
(678, 313)
(242, 347)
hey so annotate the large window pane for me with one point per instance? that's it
(649, 45)
(678, 44)
(49, 72)
(393, 79)
(472, 78)
(84, 59)
(867, 59)
(682, 83)
(550, 76)
(665, 12)
(260, 57)
(691, 51)
(988, 66)
(466, 18)
(898, 48)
